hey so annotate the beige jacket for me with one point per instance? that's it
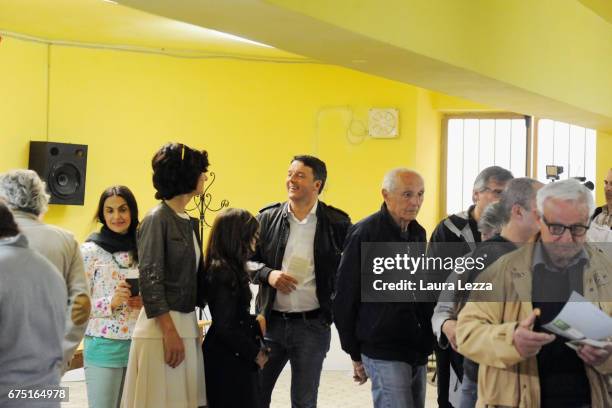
(62, 250)
(485, 331)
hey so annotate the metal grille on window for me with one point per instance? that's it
(476, 143)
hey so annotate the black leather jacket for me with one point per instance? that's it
(332, 225)
(168, 276)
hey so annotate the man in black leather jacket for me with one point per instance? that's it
(388, 341)
(298, 253)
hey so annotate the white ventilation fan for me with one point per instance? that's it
(383, 123)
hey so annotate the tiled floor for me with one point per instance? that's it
(337, 390)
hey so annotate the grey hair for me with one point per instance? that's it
(566, 190)
(496, 173)
(24, 191)
(390, 178)
(518, 191)
(492, 219)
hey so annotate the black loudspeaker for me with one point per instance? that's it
(63, 167)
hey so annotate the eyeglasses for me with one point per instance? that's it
(577, 230)
(496, 191)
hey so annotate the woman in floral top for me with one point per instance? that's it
(109, 257)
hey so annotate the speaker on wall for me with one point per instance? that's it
(63, 167)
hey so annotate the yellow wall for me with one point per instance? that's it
(429, 156)
(23, 102)
(604, 163)
(251, 117)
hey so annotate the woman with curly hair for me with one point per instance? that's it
(166, 367)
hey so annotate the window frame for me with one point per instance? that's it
(480, 115)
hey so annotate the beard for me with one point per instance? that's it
(561, 255)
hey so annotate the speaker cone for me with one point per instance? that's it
(64, 179)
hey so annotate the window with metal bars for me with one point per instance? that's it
(476, 141)
(569, 146)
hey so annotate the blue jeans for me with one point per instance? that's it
(469, 393)
(104, 386)
(396, 384)
(304, 343)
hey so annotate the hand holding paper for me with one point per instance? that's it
(298, 268)
(588, 328)
(527, 342)
(581, 320)
(282, 281)
(594, 356)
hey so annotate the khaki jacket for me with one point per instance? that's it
(485, 331)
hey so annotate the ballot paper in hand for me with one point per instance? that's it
(298, 268)
(582, 322)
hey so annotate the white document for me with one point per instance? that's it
(298, 268)
(582, 322)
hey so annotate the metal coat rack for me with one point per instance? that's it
(202, 204)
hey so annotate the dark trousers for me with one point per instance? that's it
(445, 358)
(304, 343)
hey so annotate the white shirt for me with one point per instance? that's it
(298, 261)
(196, 246)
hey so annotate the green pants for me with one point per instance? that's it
(104, 386)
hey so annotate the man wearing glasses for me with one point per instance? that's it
(455, 236)
(521, 363)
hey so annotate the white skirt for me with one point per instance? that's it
(150, 382)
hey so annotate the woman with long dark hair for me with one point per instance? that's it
(233, 349)
(109, 257)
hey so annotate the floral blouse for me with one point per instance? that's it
(104, 271)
